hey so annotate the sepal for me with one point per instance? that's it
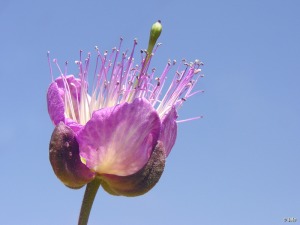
(140, 182)
(65, 159)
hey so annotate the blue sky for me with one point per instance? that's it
(237, 165)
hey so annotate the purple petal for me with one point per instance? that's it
(169, 130)
(119, 140)
(73, 125)
(55, 99)
(74, 85)
(140, 182)
(55, 103)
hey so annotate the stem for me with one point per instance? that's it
(87, 202)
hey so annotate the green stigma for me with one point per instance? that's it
(154, 35)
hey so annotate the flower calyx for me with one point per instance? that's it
(65, 159)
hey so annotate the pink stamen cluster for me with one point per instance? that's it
(117, 80)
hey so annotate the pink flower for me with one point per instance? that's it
(123, 129)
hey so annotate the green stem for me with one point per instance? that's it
(87, 202)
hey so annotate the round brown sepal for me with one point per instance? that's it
(65, 159)
(140, 182)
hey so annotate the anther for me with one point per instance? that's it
(197, 71)
(158, 81)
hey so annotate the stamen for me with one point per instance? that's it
(68, 99)
(66, 68)
(117, 80)
(190, 119)
(50, 67)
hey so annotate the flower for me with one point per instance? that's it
(122, 131)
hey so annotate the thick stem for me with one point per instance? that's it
(87, 202)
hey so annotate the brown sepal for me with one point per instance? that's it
(65, 159)
(140, 182)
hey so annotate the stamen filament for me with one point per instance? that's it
(117, 80)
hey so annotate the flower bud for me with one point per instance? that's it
(65, 159)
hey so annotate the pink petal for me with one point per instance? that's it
(140, 182)
(74, 84)
(55, 103)
(169, 130)
(55, 100)
(73, 125)
(119, 140)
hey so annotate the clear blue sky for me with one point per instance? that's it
(238, 165)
